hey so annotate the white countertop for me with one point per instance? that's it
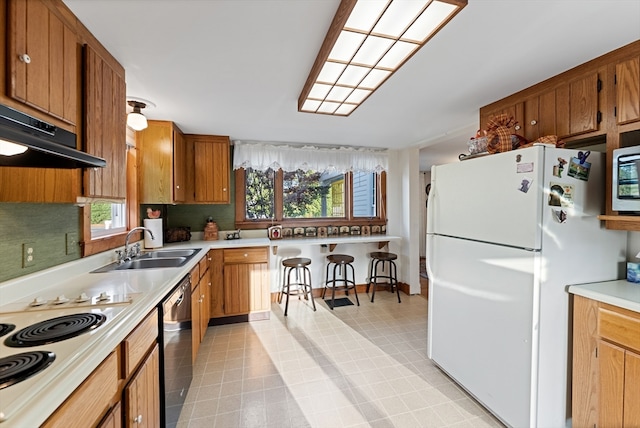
(147, 286)
(619, 293)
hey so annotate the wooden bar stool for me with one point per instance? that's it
(337, 276)
(391, 276)
(302, 283)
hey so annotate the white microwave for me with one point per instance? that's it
(626, 184)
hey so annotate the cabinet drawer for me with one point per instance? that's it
(138, 343)
(203, 265)
(246, 255)
(619, 326)
(195, 276)
(88, 404)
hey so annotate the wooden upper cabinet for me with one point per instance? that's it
(564, 110)
(212, 169)
(105, 126)
(514, 110)
(539, 114)
(583, 104)
(628, 91)
(161, 164)
(43, 58)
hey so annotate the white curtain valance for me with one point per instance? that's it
(262, 156)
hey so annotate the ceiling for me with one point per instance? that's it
(237, 67)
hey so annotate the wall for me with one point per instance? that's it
(633, 246)
(43, 225)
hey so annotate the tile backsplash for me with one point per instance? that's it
(44, 228)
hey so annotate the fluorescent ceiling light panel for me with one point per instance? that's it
(368, 40)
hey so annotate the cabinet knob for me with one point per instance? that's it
(177, 187)
(24, 58)
(517, 127)
(224, 189)
(533, 122)
(202, 298)
(137, 419)
(246, 255)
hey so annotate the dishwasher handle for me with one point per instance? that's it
(184, 287)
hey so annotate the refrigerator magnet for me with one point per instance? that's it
(560, 195)
(560, 215)
(525, 184)
(524, 167)
(557, 169)
(579, 168)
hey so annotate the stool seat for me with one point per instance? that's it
(391, 278)
(342, 277)
(296, 262)
(380, 255)
(340, 258)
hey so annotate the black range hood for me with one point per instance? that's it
(48, 146)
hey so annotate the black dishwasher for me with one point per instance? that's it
(176, 366)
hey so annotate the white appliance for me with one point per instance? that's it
(506, 234)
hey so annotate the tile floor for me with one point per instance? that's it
(352, 367)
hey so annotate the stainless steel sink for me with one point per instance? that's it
(163, 254)
(153, 263)
(152, 260)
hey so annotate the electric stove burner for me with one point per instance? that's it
(6, 328)
(55, 330)
(18, 367)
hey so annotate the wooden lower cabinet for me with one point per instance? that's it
(196, 301)
(88, 404)
(125, 388)
(606, 366)
(113, 419)
(200, 308)
(142, 394)
(240, 282)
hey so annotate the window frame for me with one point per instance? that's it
(349, 220)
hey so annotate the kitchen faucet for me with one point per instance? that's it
(126, 255)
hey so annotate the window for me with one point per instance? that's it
(364, 194)
(259, 194)
(296, 197)
(107, 218)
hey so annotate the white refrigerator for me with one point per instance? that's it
(506, 234)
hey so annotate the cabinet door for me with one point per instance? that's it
(142, 394)
(583, 103)
(211, 181)
(631, 390)
(628, 91)
(515, 110)
(105, 127)
(205, 295)
(155, 167)
(611, 382)
(236, 288)
(43, 59)
(260, 288)
(216, 276)
(196, 301)
(179, 167)
(113, 418)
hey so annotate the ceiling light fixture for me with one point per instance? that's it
(368, 40)
(135, 119)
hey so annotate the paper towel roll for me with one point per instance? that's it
(155, 226)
